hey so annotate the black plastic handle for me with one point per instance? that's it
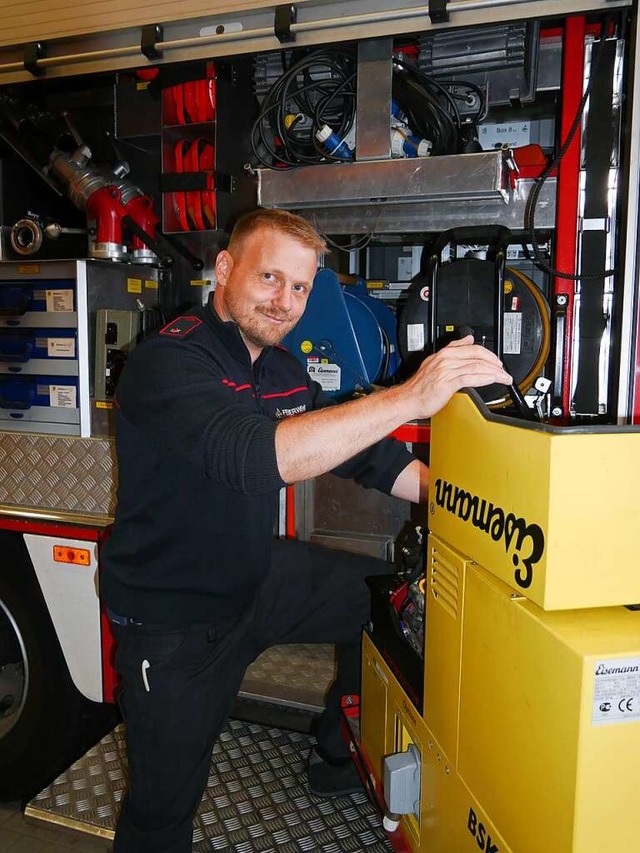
(497, 236)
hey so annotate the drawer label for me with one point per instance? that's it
(61, 347)
(63, 396)
(59, 300)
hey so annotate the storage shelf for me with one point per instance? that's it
(403, 181)
(407, 196)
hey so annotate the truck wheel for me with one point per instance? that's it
(43, 717)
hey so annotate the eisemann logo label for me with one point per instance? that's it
(524, 541)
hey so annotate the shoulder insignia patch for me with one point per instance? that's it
(181, 326)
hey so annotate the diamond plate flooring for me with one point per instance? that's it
(256, 799)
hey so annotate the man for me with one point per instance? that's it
(195, 584)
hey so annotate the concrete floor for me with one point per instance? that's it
(24, 835)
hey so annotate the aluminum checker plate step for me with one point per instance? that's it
(256, 797)
(295, 675)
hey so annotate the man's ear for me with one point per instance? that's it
(224, 266)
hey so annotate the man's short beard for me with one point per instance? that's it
(258, 339)
(249, 326)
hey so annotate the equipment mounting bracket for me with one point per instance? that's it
(33, 51)
(285, 16)
(152, 34)
(438, 11)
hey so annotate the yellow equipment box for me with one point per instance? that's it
(529, 738)
(552, 511)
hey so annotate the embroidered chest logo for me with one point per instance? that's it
(287, 413)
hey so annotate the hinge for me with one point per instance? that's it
(286, 15)
(438, 11)
(152, 34)
(33, 51)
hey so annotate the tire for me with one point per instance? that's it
(45, 723)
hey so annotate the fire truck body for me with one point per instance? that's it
(144, 243)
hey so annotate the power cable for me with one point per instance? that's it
(430, 108)
(317, 89)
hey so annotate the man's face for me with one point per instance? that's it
(264, 287)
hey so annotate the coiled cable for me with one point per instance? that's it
(317, 89)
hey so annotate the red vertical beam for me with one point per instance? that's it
(109, 675)
(107, 641)
(568, 185)
(290, 513)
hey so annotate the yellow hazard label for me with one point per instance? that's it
(150, 284)
(306, 347)
(134, 285)
(28, 269)
(449, 328)
(101, 404)
(199, 282)
(376, 285)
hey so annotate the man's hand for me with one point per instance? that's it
(315, 442)
(461, 364)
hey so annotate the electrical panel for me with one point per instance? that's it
(116, 333)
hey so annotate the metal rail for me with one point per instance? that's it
(253, 33)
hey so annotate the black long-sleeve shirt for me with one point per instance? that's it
(198, 475)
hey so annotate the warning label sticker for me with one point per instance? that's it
(415, 337)
(616, 691)
(512, 336)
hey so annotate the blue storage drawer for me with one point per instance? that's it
(56, 394)
(19, 297)
(18, 346)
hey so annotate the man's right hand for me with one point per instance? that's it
(461, 364)
(315, 442)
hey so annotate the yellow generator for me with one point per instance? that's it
(518, 728)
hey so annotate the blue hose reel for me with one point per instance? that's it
(346, 338)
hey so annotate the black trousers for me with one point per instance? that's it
(179, 685)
